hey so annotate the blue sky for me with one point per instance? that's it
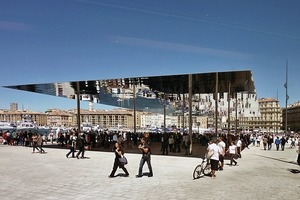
(43, 41)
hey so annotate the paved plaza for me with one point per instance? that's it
(260, 174)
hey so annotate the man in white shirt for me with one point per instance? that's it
(214, 160)
(239, 147)
(222, 146)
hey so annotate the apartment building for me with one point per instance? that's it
(269, 118)
(108, 118)
(16, 116)
(293, 117)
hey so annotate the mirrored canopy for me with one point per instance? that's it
(150, 92)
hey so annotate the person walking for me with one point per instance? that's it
(72, 145)
(34, 139)
(270, 142)
(81, 144)
(259, 138)
(277, 143)
(119, 152)
(186, 143)
(214, 159)
(239, 147)
(171, 143)
(298, 151)
(165, 144)
(146, 157)
(232, 150)
(222, 147)
(265, 142)
(283, 141)
(40, 143)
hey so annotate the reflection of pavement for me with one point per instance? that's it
(259, 175)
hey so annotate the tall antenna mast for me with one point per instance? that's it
(277, 107)
(286, 96)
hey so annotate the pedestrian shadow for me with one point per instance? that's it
(202, 176)
(294, 171)
(121, 175)
(85, 157)
(290, 162)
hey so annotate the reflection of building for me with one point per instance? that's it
(202, 121)
(269, 119)
(204, 105)
(270, 115)
(64, 90)
(13, 106)
(59, 118)
(293, 117)
(108, 118)
(164, 94)
(243, 106)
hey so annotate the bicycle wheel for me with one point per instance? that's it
(207, 169)
(197, 172)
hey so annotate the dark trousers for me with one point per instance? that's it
(269, 146)
(177, 147)
(277, 147)
(142, 162)
(165, 149)
(81, 151)
(232, 160)
(239, 152)
(34, 146)
(72, 150)
(115, 167)
(171, 147)
(41, 149)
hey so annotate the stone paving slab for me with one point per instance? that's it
(259, 175)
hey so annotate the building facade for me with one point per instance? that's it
(293, 117)
(108, 118)
(59, 118)
(268, 120)
(16, 117)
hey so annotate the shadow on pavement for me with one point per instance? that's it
(291, 162)
(294, 171)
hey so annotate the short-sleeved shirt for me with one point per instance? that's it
(216, 151)
(239, 143)
(222, 147)
(232, 149)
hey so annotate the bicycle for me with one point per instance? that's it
(203, 169)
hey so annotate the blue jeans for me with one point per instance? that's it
(142, 162)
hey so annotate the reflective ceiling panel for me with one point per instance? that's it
(149, 91)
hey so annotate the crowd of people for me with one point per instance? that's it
(25, 138)
(231, 146)
(225, 146)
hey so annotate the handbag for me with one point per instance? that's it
(123, 160)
